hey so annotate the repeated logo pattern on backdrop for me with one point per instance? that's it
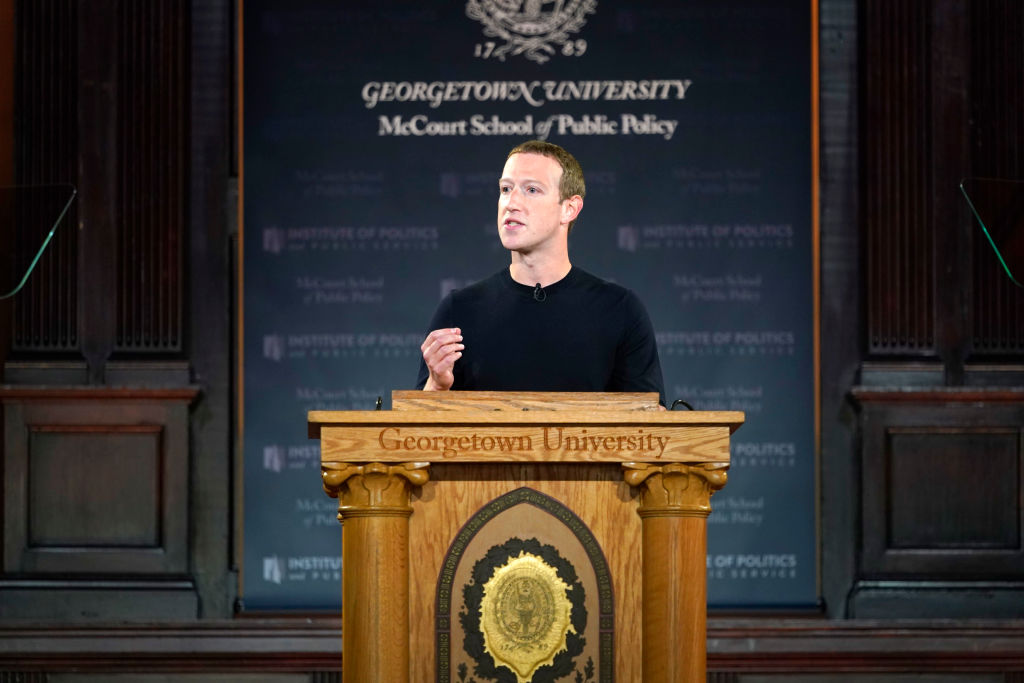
(374, 137)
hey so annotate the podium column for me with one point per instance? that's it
(374, 509)
(675, 500)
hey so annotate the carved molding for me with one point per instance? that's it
(676, 489)
(373, 489)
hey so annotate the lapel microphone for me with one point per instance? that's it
(539, 294)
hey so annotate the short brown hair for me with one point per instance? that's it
(572, 182)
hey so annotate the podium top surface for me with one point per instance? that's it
(524, 426)
(523, 400)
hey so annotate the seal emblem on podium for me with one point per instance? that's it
(525, 615)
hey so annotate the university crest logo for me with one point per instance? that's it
(534, 28)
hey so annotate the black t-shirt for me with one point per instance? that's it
(585, 334)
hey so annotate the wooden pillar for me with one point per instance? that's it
(98, 60)
(675, 500)
(374, 509)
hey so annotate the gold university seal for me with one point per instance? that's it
(524, 614)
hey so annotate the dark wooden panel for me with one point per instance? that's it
(950, 114)
(45, 314)
(152, 145)
(325, 677)
(735, 646)
(96, 483)
(102, 102)
(898, 178)
(841, 300)
(936, 601)
(210, 343)
(720, 677)
(96, 504)
(953, 488)
(84, 601)
(7, 78)
(98, 40)
(997, 151)
(98, 486)
(941, 482)
(23, 677)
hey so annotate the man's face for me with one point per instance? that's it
(529, 212)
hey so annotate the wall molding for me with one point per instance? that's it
(313, 643)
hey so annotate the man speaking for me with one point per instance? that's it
(542, 324)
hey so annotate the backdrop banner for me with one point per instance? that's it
(374, 139)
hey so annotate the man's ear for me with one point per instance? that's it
(571, 208)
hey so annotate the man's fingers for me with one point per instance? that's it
(448, 360)
(441, 342)
(443, 362)
(439, 337)
(440, 350)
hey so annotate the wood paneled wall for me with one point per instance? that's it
(152, 144)
(102, 104)
(943, 96)
(46, 153)
(899, 225)
(116, 498)
(939, 515)
(997, 151)
(7, 70)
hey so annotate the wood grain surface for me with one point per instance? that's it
(674, 602)
(534, 442)
(571, 447)
(595, 492)
(522, 400)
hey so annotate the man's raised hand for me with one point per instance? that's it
(440, 350)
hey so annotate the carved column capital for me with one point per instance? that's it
(373, 489)
(675, 489)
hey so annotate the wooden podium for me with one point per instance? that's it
(523, 536)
